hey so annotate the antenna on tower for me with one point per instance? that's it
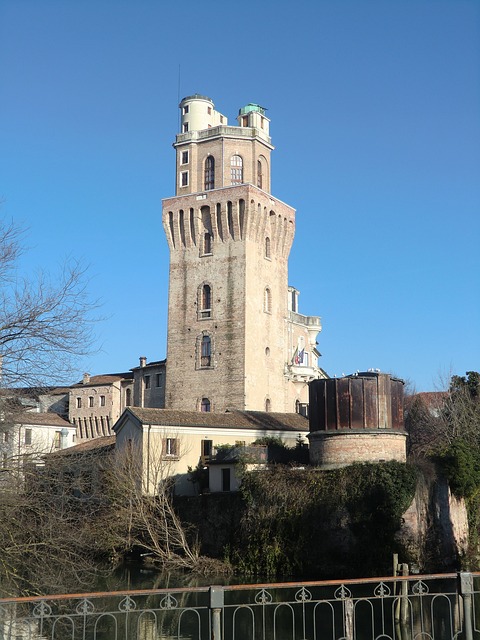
(178, 97)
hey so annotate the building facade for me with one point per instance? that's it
(172, 443)
(235, 338)
(96, 403)
(26, 436)
(149, 384)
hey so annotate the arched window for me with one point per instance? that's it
(205, 405)
(268, 405)
(205, 301)
(236, 169)
(267, 247)
(206, 352)
(267, 301)
(128, 398)
(259, 174)
(209, 173)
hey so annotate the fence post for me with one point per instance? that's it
(216, 607)
(466, 591)
(349, 619)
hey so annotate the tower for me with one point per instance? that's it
(235, 337)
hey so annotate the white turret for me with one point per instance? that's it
(198, 113)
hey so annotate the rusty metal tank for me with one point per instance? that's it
(368, 400)
(357, 418)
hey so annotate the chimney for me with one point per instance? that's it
(86, 378)
(143, 361)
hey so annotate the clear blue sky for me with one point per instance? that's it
(375, 115)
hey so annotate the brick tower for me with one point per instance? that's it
(235, 337)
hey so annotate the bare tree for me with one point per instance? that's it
(436, 420)
(47, 540)
(148, 521)
(143, 516)
(44, 324)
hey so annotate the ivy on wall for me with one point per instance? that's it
(320, 523)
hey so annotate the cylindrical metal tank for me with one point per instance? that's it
(357, 418)
(361, 401)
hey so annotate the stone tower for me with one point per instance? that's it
(235, 337)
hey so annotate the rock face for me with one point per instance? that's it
(434, 531)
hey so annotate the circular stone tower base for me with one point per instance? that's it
(333, 449)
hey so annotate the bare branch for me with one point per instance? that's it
(44, 324)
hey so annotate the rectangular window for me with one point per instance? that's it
(303, 409)
(158, 380)
(170, 447)
(236, 175)
(209, 111)
(146, 380)
(79, 403)
(57, 440)
(207, 244)
(184, 179)
(225, 479)
(221, 119)
(28, 436)
(90, 401)
(207, 446)
(5, 436)
(102, 401)
(185, 127)
(184, 157)
(185, 109)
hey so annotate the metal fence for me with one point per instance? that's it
(429, 607)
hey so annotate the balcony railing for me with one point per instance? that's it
(224, 130)
(307, 321)
(437, 607)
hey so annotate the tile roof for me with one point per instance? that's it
(232, 419)
(35, 418)
(108, 378)
(154, 363)
(95, 444)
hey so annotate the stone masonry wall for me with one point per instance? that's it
(336, 449)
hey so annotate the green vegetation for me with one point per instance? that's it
(311, 522)
(448, 432)
(460, 463)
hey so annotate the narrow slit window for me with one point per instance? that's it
(267, 302)
(206, 357)
(206, 301)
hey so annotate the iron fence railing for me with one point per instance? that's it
(433, 607)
